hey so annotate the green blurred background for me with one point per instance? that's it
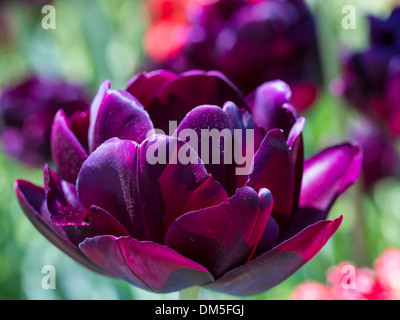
(102, 39)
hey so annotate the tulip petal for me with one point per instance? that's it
(108, 180)
(269, 105)
(182, 197)
(183, 186)
(144, 86)
(94, 110)
(329, 173)
(269, 238)
(245, 143)
(273, 168)
(221, 137)
(326, 176)
(213, 141)
(176, 98)
(32, 201)
(119, 115)
(30, 196)
(79, 122)
(62, 200)
(277, 264)
(64, 208)
(121, 178)
(224, 236)
(103, 223)
(67, 152)
(145, 264)
(296, 147)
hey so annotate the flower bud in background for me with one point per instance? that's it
(249, 41)
(27, 110)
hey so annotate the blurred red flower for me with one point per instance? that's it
(347, 282)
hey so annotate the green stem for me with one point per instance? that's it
(191, 293)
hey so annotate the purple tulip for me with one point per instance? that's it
(168, 226)
(381, 158)
(250, 42)
(27, 110)
(371, 78)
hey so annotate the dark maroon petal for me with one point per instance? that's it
(96, 104)
(108, 180)
(224, 236)
(295, 132)
(176, 98)
(64, 208)
(269, 238)
(68, 153)
(145, 264)
(217, 156)
(103, 223)
(181, 195)
(226, 139)
(326, 176)
(296, 147)
(303, 217)
(79, 122)
(273, 168)
(30, 196)
(62, 200)
(119, 115)
(182, 186)
(277, 264)
(94, 110)
(144, 86)
(311, 239)
(120, 178)
(250, 140)
(242, 119)
(269, 105)
(32, 201)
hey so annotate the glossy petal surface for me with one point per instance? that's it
(229, 231)
(145, 264)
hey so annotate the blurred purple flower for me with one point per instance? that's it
(381, 158)
(371, 78)
(249, 41)
(27, 110)
(165, 227)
